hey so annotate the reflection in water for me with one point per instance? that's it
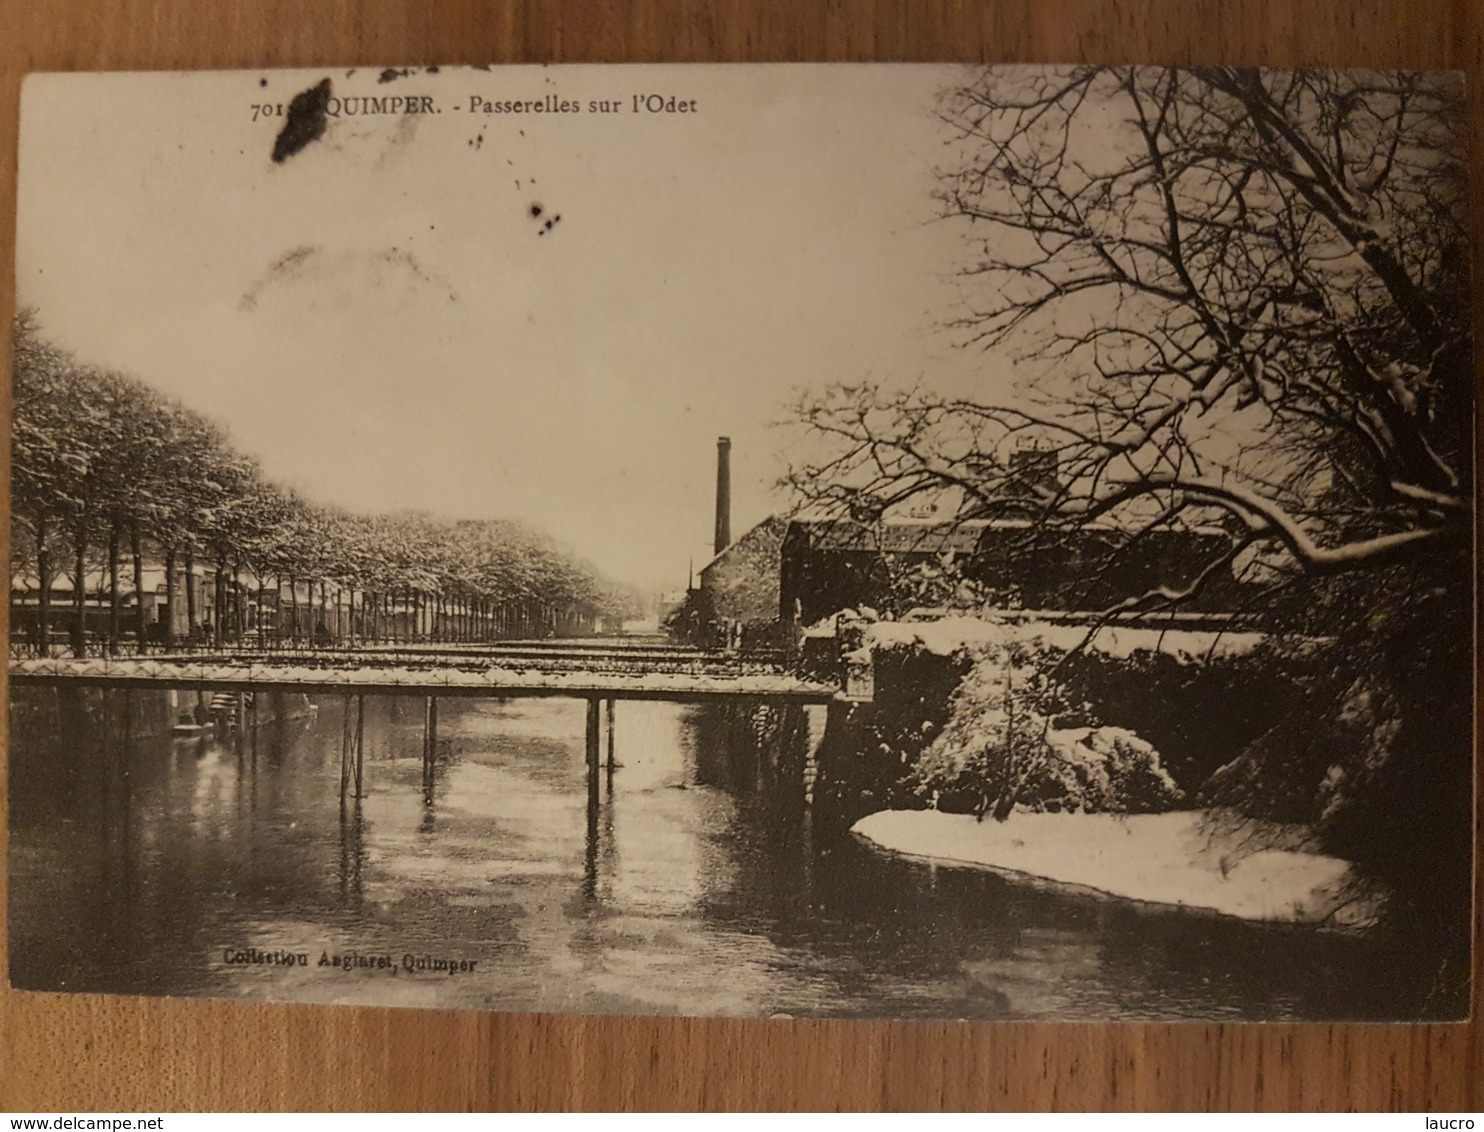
(590, 857)
(685, 876)
(352, 853)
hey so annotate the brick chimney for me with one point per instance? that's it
(1034, 471)
(723, 493)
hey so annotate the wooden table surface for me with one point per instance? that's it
(90, 1053)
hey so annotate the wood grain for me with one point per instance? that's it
(61, 1053)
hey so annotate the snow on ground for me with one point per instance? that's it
(948, 635)
(1170, 859)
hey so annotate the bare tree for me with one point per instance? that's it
(1227, 293)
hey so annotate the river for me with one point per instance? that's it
(146, 864)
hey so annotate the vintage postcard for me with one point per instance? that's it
(779, 541)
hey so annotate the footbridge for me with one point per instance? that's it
(578, 669)
(598, 672)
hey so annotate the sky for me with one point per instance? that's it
(385, 324)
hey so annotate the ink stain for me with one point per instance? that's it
(433, 69)
(406, 129)
(392, 74)
(309, 268)
(286, 266)
(262, 82)
(304, 122)
(291, 259)
(396, 257)
(536, 210)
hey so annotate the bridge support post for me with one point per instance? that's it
(611, 711)
(592, 735)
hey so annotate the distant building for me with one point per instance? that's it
(829, 565)
(996, 548)
(741, 582)
(736, 596)
(250, 603)
(993, 548)
(1021, 489)
(25, 599)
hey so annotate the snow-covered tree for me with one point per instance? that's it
(101, 459)
(1238, 300)
(1231, 293)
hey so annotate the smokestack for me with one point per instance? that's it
(723, 493)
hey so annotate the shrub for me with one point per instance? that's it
(1001, 747)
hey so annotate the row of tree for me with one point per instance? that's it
(108, 475)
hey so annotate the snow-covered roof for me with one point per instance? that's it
(770, 528)
(937, 536)
(904, 536)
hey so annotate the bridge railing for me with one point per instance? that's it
(534, 657)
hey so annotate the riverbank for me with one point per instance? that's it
(1173, 859)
